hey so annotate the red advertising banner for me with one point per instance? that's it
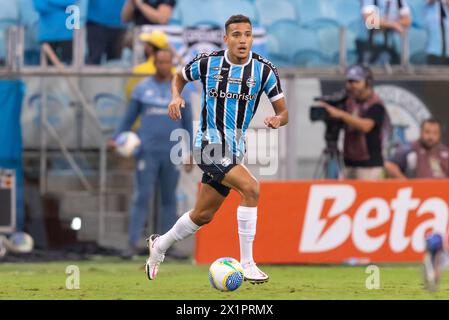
(332, 222)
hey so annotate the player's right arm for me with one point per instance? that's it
(190, 72)
(177, 102)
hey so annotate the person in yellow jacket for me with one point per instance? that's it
(153, 42)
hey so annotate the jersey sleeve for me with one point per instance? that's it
(272, 86)
(192, 70)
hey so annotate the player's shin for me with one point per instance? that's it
(247, 220)
(183, 228)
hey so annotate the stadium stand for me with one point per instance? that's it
(270, 11)
(418, 17)
(418, 49)
(305, 52)
(346, 11)
(321, 18)
(224, 10)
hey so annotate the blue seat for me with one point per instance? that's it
(309, 58)
(341, 11)
(194, 11)
(271, 11)
(289, 39)
(417, 8)
(307, 10)
(9, 10)
(417, 38)
(417, 44)
(353, 31)
(346, 11)
(225, 8)
(329, 40)
(320, 23)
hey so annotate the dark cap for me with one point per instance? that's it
(357, 72)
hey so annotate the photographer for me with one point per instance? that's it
(363, 120)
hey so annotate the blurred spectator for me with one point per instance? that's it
(437, 24)
(364, 121)
(53, 27)
(147, 11)
(154, 166)
(105, 30)
(382, 18)
(425, 158)
(153, 42)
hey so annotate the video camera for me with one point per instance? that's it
(318, 113)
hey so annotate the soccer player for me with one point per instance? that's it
(436, 259)
(233, 81)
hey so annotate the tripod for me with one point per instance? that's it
(330, 164)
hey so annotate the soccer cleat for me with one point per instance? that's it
(253, 274)
(155, 259)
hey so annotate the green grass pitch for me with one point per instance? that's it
(111, 278)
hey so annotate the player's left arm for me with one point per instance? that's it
(274, 92)
(281, 114)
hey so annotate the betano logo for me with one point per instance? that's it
(373, 224)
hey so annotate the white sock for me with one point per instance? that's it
(183, 228)
(247, 220)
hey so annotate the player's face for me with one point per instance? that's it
(163, 63)
(239, 39)
(430, 134)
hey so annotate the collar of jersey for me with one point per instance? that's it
(241, 65)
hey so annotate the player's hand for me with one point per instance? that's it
(174, 108)
(273, 122)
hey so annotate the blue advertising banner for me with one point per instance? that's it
(11, 97)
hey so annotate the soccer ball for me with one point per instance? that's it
(20, 242)
(226, 274)
(127, 143)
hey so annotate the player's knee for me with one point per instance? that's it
(251, 191)
(202, 217)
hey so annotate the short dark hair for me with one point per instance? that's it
(238, 18)
(432, 121)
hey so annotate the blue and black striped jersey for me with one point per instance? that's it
(231, 95)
